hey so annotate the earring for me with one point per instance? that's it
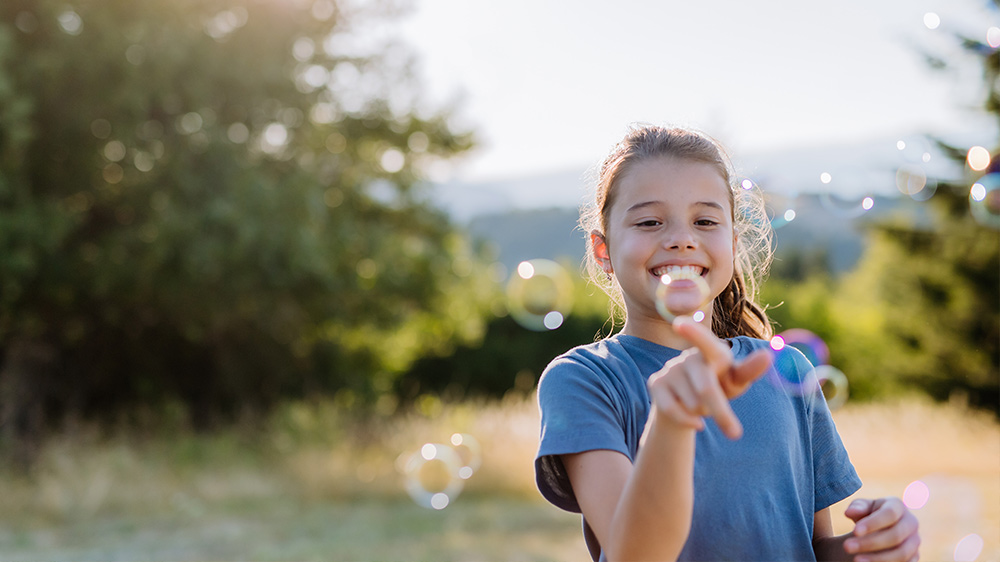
(608, 273)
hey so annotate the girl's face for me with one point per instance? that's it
(667, 212)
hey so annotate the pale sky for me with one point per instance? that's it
(552, 85)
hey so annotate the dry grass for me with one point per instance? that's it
(313, 455)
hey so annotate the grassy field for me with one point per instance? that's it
(312, 484)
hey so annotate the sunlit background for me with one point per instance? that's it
(278, 277)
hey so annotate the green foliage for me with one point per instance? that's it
(221, 202)
(922, 309)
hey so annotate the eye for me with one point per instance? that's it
(706, 222)
(648, 223)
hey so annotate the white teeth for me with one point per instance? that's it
(679, 271)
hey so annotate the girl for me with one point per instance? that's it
(729, 467)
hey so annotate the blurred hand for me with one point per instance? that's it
(884, 530)
(703, 379)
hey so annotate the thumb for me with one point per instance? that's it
(859, 508)
(746, 372)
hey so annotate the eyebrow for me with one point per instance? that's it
(644, 204)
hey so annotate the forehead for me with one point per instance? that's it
(671, 181)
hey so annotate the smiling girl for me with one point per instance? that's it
(663, 435)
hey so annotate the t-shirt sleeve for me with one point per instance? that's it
(580, 411)
(835, 477)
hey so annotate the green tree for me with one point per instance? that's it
(923, 308)
(217, 202)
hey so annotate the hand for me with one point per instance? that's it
(703, 379)
(884, 530)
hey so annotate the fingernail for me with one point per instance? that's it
(851, 545)
(860, 529)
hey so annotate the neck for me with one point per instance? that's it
(656, 330)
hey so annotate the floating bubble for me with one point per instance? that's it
(811, 345)
(984, 200)
(911, 180)
(433, 476)
(846, 207)
(916, 495)
(469, 452)
(789, 373)
(540, 295)
(969, 548)
(993, 37)
(682, 292)
(833, 383)
(825, 177)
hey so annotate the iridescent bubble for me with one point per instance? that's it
(847, 207)
(811, 345)
(833, 383)
(432, 476)
(682, 292)
(540, 295)
(969, 548)
(911, 180)
(916, 495)
(469, 452)
(993, 37)
(984, 200)
(789, 372)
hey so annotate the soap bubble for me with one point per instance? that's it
(916, 495)
(433, 476)
(911, 180)
(969, 548)
(682, 292)
(789, 373)
(539, 295)
(984, 200)
(811, 345)
(469, 452)
(833, 383)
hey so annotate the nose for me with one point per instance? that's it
(679, 238)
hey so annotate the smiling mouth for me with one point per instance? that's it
(680, 271)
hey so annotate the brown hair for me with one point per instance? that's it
(735, 312)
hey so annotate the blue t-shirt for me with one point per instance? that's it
(754, 498)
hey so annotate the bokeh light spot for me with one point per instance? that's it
(916, 495)
(825, 177)
(392, 160)
(553, 320)
(984, 200)
(978, 158)
(969, 548)
(70, 22)
(932, 20)
(867, 203)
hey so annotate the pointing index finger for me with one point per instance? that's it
(717, 354)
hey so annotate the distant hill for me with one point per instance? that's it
(818, 226)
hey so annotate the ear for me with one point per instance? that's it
(599, 246)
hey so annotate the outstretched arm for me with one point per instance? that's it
(643, 512)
